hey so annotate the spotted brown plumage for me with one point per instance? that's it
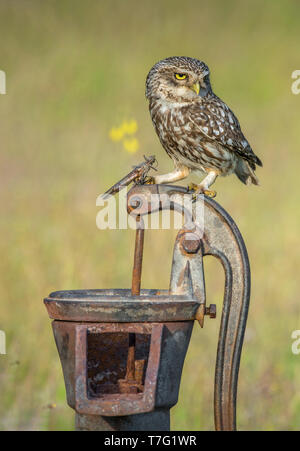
(195, 127)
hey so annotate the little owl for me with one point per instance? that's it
(196, 128)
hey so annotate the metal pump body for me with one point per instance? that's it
(122, 350)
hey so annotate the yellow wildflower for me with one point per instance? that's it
(129, 127)
(131, 145)
(116, 133)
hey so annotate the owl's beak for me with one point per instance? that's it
(196, 87)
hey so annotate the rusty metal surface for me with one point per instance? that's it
(120, 306)
(131, 379)
(138, 258)
(187, 275)
(93, 358)
(158, 420)
(116, 403)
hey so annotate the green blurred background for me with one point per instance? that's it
(74, 70)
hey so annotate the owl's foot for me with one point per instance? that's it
(210, 193)
(145, 180)
(149, 180)
(192, 186)
(198, 189)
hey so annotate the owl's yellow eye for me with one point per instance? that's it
(180, 76)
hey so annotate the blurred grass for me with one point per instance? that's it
(74, 70)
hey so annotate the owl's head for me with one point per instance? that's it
(178, 79)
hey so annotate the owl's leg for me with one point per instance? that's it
(178, 174)
(203, 187)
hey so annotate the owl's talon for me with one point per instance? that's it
(210, 193)
(193, 187)
(145, 180)
(149, 180)
(198, 189)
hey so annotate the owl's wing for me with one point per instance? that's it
(217, 123)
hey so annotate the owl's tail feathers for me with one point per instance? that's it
(245, 173)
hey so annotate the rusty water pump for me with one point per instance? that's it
(122, 350)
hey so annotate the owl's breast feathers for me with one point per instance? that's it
(202, 135)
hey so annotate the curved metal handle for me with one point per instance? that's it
(223, 240)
